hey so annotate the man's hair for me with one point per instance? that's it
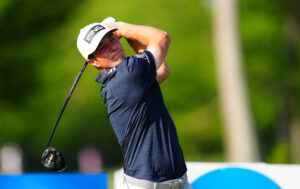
(91, 56)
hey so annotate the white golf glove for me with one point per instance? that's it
(108, 20)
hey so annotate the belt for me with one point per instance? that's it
(170, 184)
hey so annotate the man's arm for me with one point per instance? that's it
(137, 46)
(150, 38)
(163, 71)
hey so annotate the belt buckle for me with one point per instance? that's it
(175, 185)
(171, 185)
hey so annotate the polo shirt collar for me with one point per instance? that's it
(103, 76)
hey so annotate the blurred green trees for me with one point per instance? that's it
(40, 60)
(270, 39)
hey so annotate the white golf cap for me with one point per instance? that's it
(90, 36)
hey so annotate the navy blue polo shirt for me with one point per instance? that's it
(141, 122)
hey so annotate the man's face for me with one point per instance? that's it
(109, 53)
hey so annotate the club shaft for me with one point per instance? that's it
(66, 102)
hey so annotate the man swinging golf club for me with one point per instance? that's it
(134, 102)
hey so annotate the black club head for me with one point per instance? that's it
(53, 160)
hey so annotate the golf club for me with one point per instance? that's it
(52, 159)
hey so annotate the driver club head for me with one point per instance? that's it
(53, 160)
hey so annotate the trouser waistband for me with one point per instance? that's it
(170, 184)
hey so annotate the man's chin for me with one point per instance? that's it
(117, 62)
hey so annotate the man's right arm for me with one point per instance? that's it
(163, 71)
(153, 39)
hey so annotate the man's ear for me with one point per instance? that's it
(93, 62)
(90, 61)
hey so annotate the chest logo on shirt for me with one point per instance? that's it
(92, 32)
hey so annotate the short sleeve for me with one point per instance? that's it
(142, 66)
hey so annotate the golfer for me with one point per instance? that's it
(130, 89)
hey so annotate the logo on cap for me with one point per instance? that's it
(92, 32)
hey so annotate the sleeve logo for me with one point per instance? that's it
(143, 55)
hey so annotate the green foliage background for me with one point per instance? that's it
(40, 61)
